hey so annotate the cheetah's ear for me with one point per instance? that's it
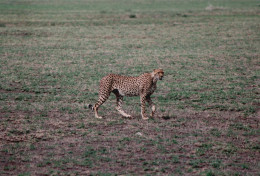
(155, 70)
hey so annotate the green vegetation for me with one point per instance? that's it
(53, 54)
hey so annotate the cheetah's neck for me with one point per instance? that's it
(155, 78)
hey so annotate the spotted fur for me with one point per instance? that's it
(143, 85)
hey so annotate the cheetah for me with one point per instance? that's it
(143, 85)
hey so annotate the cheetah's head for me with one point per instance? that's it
(158, 74)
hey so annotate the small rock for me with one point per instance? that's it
(139, 134)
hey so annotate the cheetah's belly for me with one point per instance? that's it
(129, 93)
(127, 86)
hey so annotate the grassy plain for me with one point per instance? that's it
(53, 54)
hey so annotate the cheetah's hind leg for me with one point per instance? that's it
(119, 102)
(90, 106)
(122, 112)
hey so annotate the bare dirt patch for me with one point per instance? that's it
(191, 143)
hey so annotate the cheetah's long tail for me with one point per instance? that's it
(91, 107)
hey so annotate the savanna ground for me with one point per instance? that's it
(53, 54)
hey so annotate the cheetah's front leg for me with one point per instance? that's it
(149, 100)
(143, 99)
